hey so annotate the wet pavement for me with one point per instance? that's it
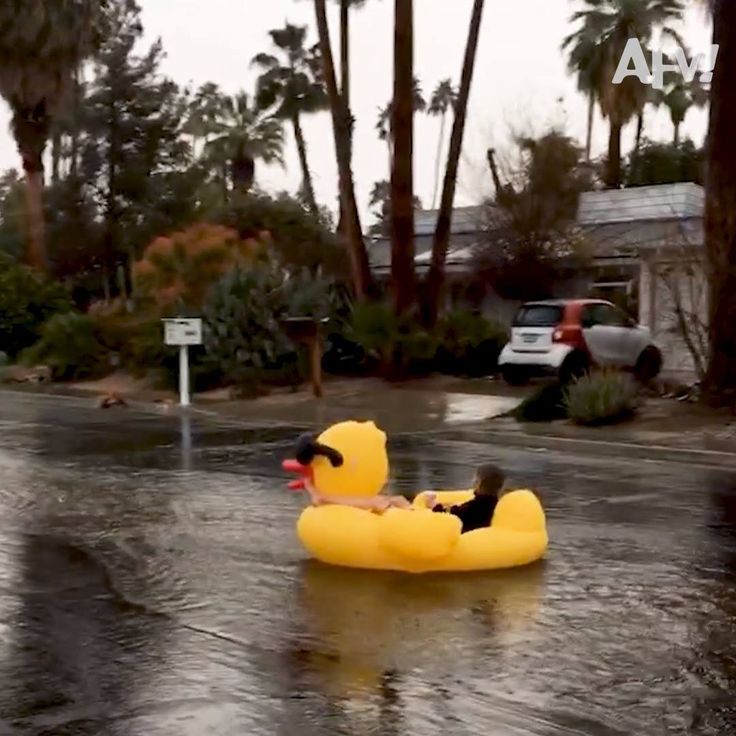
(151, 584)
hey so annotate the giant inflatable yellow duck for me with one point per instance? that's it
(349, 459)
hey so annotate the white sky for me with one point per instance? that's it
(520, 80)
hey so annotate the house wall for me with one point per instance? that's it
(674, 305)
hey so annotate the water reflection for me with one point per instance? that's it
(365, 629)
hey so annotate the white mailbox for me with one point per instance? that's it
(183, 332)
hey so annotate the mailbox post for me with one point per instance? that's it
(306, 330)
(183, 332)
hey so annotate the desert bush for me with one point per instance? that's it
(27, 300)
(601, 397)
(177, 271)
(244, 338)
(70, 346)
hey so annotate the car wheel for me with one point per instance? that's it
(514, 375)
(649, 365)
(574, 366)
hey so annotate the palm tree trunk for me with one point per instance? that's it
(362, 276)
(402, 175)
(676, 140)
(55, 155)
(436, 276)
(720, 224)
(345, 61)
(438, 163)
(306, 173)
(345, 85)
(35, 218)
(613, 165)
(591, 119)
(639, 132)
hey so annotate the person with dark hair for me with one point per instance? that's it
(478, 512)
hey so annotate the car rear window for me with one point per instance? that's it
(538, 315)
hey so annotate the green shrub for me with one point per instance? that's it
(398, 345)
(470, 344)
(546, 404)
(601, 397)
(70, 346)
(27, 300)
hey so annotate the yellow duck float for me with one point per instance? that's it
(350, 460)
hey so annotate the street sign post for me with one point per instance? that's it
(183, 332)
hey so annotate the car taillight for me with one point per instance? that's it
(569, 335)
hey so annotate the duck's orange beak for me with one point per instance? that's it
(305, 471)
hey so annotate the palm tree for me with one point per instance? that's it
(243, 133)
(441, 241)
(595, 50)
(341, 127)
(443, 99)
(290, 83)
(41, 45)
(402, 171)
(679, 98)
(720, 204)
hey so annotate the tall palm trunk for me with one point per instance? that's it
(676, 139)
(639, 132)
(345, 62)
(345, 85)
(402, 175)
(306, 173)
(31, 128)
(441, 242)
(438, 163)
(591, 119)
(360, 266)
(720, 210)
(55, 155)
(613, 165)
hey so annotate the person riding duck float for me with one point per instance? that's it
(349, 461)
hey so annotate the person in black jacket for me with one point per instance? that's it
(478, 512)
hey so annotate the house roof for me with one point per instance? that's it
(616, 221)
(641, 204)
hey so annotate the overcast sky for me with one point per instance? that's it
(520, 80)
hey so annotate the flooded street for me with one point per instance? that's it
(151, 584)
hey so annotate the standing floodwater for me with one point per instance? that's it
(151, 583)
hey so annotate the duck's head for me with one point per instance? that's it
(347, 459)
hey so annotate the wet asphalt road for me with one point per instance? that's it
(151, 584)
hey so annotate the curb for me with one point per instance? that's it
(657, 453)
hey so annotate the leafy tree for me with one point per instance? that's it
(665, 163)
(12, 211)
(41, 46)
(531, 231)
(292, 83)
(134, 159)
